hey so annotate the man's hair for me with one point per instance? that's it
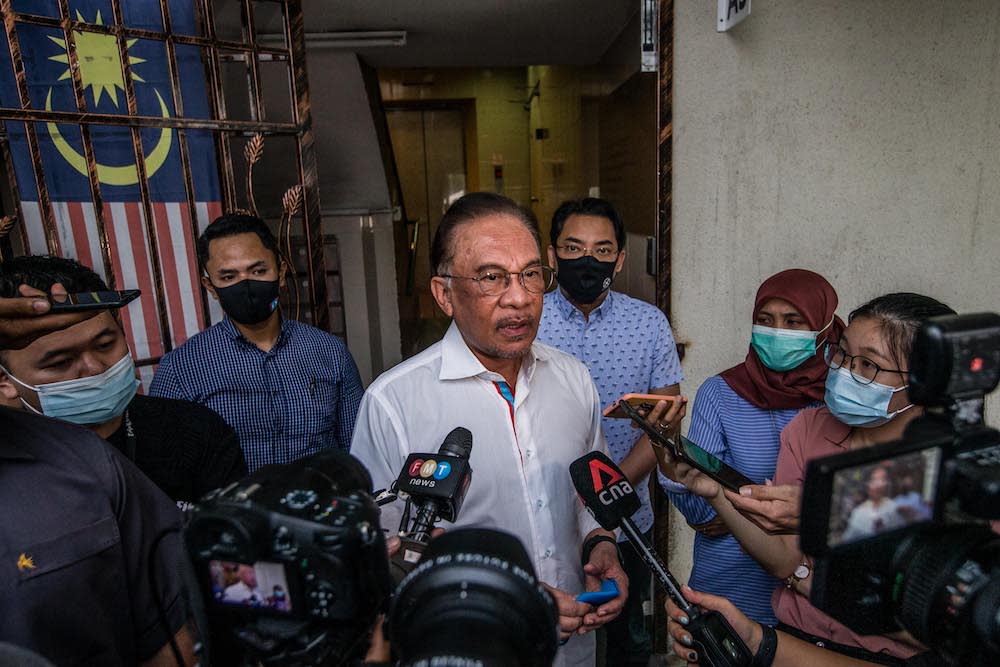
(234, 224)
(467, 209)
(900, 315)
(601, 208)
(43, 271)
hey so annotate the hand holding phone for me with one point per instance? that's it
(84, 301)
(642, 403)
(609, 591)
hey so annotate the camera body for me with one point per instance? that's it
(293, 559)
(898, 530)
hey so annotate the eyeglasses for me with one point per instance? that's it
(863, 369)
(535, 279)
(602, 253)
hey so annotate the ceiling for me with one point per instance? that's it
(476, 33)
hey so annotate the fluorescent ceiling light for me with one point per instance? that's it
(352, 39)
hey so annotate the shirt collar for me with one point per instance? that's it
(568, 310)
(836, 430)
(458, 361)
(230, 329)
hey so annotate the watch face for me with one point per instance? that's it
(802, 571)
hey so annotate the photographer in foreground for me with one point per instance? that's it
(866, 404)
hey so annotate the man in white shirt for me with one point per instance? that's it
(531, 409)
(245, 590)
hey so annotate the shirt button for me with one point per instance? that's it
(548, 553)
(540, 503)
(527, 453)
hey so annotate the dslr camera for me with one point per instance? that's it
(901, 531)
(291, 561)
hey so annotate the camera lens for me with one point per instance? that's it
(474, 597)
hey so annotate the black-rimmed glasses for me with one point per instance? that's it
(535, 279)
(862, 369)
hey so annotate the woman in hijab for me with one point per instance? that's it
(738, 416)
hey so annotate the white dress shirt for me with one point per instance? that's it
(520, 457)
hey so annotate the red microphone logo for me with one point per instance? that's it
(414, 469)
(609, 483)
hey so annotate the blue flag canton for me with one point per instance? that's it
(50, 86)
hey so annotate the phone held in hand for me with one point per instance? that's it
(83, 301)
(687, 451)
(642, 403)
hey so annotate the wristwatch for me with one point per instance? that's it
(802, 571)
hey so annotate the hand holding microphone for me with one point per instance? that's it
(606, 492)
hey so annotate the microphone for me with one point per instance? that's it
(436, 484)
(607, 494)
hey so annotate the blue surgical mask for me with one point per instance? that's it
(784, 349)
(90, 400)
(857, 404)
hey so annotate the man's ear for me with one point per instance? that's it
(282, 272)
(620, 262)
(442, 294)
(552, 259)
(209, 287)
(8, 390)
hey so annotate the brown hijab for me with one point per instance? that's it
(814, 297)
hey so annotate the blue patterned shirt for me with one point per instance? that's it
(628, 347)
(297, 399)
(747, 438)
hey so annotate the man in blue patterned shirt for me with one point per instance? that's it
(288, 389)
(629, 348)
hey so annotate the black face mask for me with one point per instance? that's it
(249, 301)
(584, 279)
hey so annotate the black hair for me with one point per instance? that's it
(601, 208)
(466, 209)
(900, 315)
(43, 271)
(234, 224)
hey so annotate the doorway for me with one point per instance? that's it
(428, 142)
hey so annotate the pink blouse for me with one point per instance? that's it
(812, 434)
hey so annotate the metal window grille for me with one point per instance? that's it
(234, 58)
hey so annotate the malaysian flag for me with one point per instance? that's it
(125, 248)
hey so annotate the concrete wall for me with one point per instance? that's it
(859, 139)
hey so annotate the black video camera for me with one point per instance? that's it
(292, 559)
(899, 530)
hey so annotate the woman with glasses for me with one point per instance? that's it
(866, 403)
(738, 416)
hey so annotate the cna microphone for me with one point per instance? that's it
(436, 485)
(607, 494)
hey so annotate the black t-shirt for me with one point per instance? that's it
(79, 528)
(185, 448)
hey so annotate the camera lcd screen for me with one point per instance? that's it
(882, 496)
(262, 585)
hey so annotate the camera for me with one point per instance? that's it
(292, 560)
(473, 600)
(899, 530)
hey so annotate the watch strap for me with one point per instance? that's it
(592, 542)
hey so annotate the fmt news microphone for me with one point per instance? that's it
(436, 485)
(606, 492)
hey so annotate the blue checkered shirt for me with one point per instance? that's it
(629, 348)
(297, 399)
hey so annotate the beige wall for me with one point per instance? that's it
(856, 138)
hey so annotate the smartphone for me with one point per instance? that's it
(690, 453)
(82, 301)
(641, 402)
(609, 591)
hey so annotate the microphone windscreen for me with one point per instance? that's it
(457, 443)
(604, 489)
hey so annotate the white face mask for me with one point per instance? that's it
(90, 400)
